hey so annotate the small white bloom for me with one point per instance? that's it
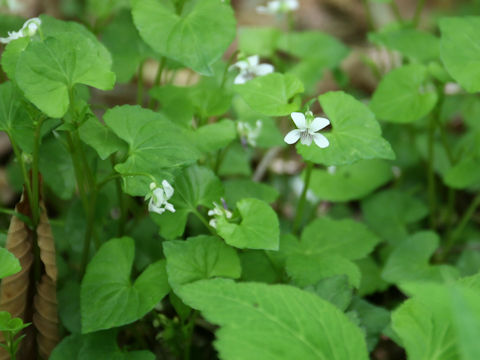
(248, 134)
(159, 197)
(307, 128)
(29, 28)
(218, 211)
(332, 170)
(278, 7)
(452, 88)
(250, 68)
(15, 5)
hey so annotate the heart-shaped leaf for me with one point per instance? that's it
(195, 34)
(108, 297)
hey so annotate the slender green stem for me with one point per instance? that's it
(140, 84)
(303, 197)
(89, 233)
(418, 12)
(396, 11)
(26, 179)
(189, 327)
(157, 81)
(431, 173)
(121, 203)
(35, 180)
(20, 216)
(457, 232)
(368, 15)
(117, 175)
(227, 68)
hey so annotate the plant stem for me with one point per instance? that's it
(418, 12)
(35, 180)
(368, 15)
(431, 172)
(188, 336)
(303, 197)
(121, 203)
(396, 11)
(203, 220)
(140, 84)
(157, 81)
(26, 179)
(455, 234)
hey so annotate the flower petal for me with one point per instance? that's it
(264, 69)
(299, 120)
(240, 79)
(169, 207)
(319, 123)
(253, 60)
(292, 137)
(306, 139)
(320, 140)
(292, 4)
(168, 189)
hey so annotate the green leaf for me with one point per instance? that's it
(9, 324)
(101, 345)
(69, 306)
(371, 280)
(326, 249)
(403, 96)
(460, 50)
(54, 159)
(464, 174)
(279, 322)
(194, 186)
(347, 238)
(260, 41)
(272, 94)
(355, 133)
(174, 103)
(373, 320)
(326, 50)
(100, 138)
(258, 228)
(409, 261)
(236, 161)
(412, 43)
(9, 264)
(445, 317)
(335, 289)
(238, 189)
(10, 55)
(50, 69)
(105, 8)
(108, 297)
(209, 98)
(14, 117)
(126, 59)
(389, 212)
(257, 266)
(189, 35)
(200, 257)
(216, 136)
(155, 145)
(350, 182)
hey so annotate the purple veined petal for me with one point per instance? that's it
(320, 140)
(306, 138)
(264, 69)
(240, 79)
(299, 120)
(293, 136)
(167, 188)
(253, 60)
(319, 123)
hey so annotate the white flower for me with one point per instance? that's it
(307, 130)
(248, 134)
(250, 68)
(278, 7)
(28, 29)
(332, 170)
(159, 197)
(15, 5)
(218, 211)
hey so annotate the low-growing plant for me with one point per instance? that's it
(225, 207)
